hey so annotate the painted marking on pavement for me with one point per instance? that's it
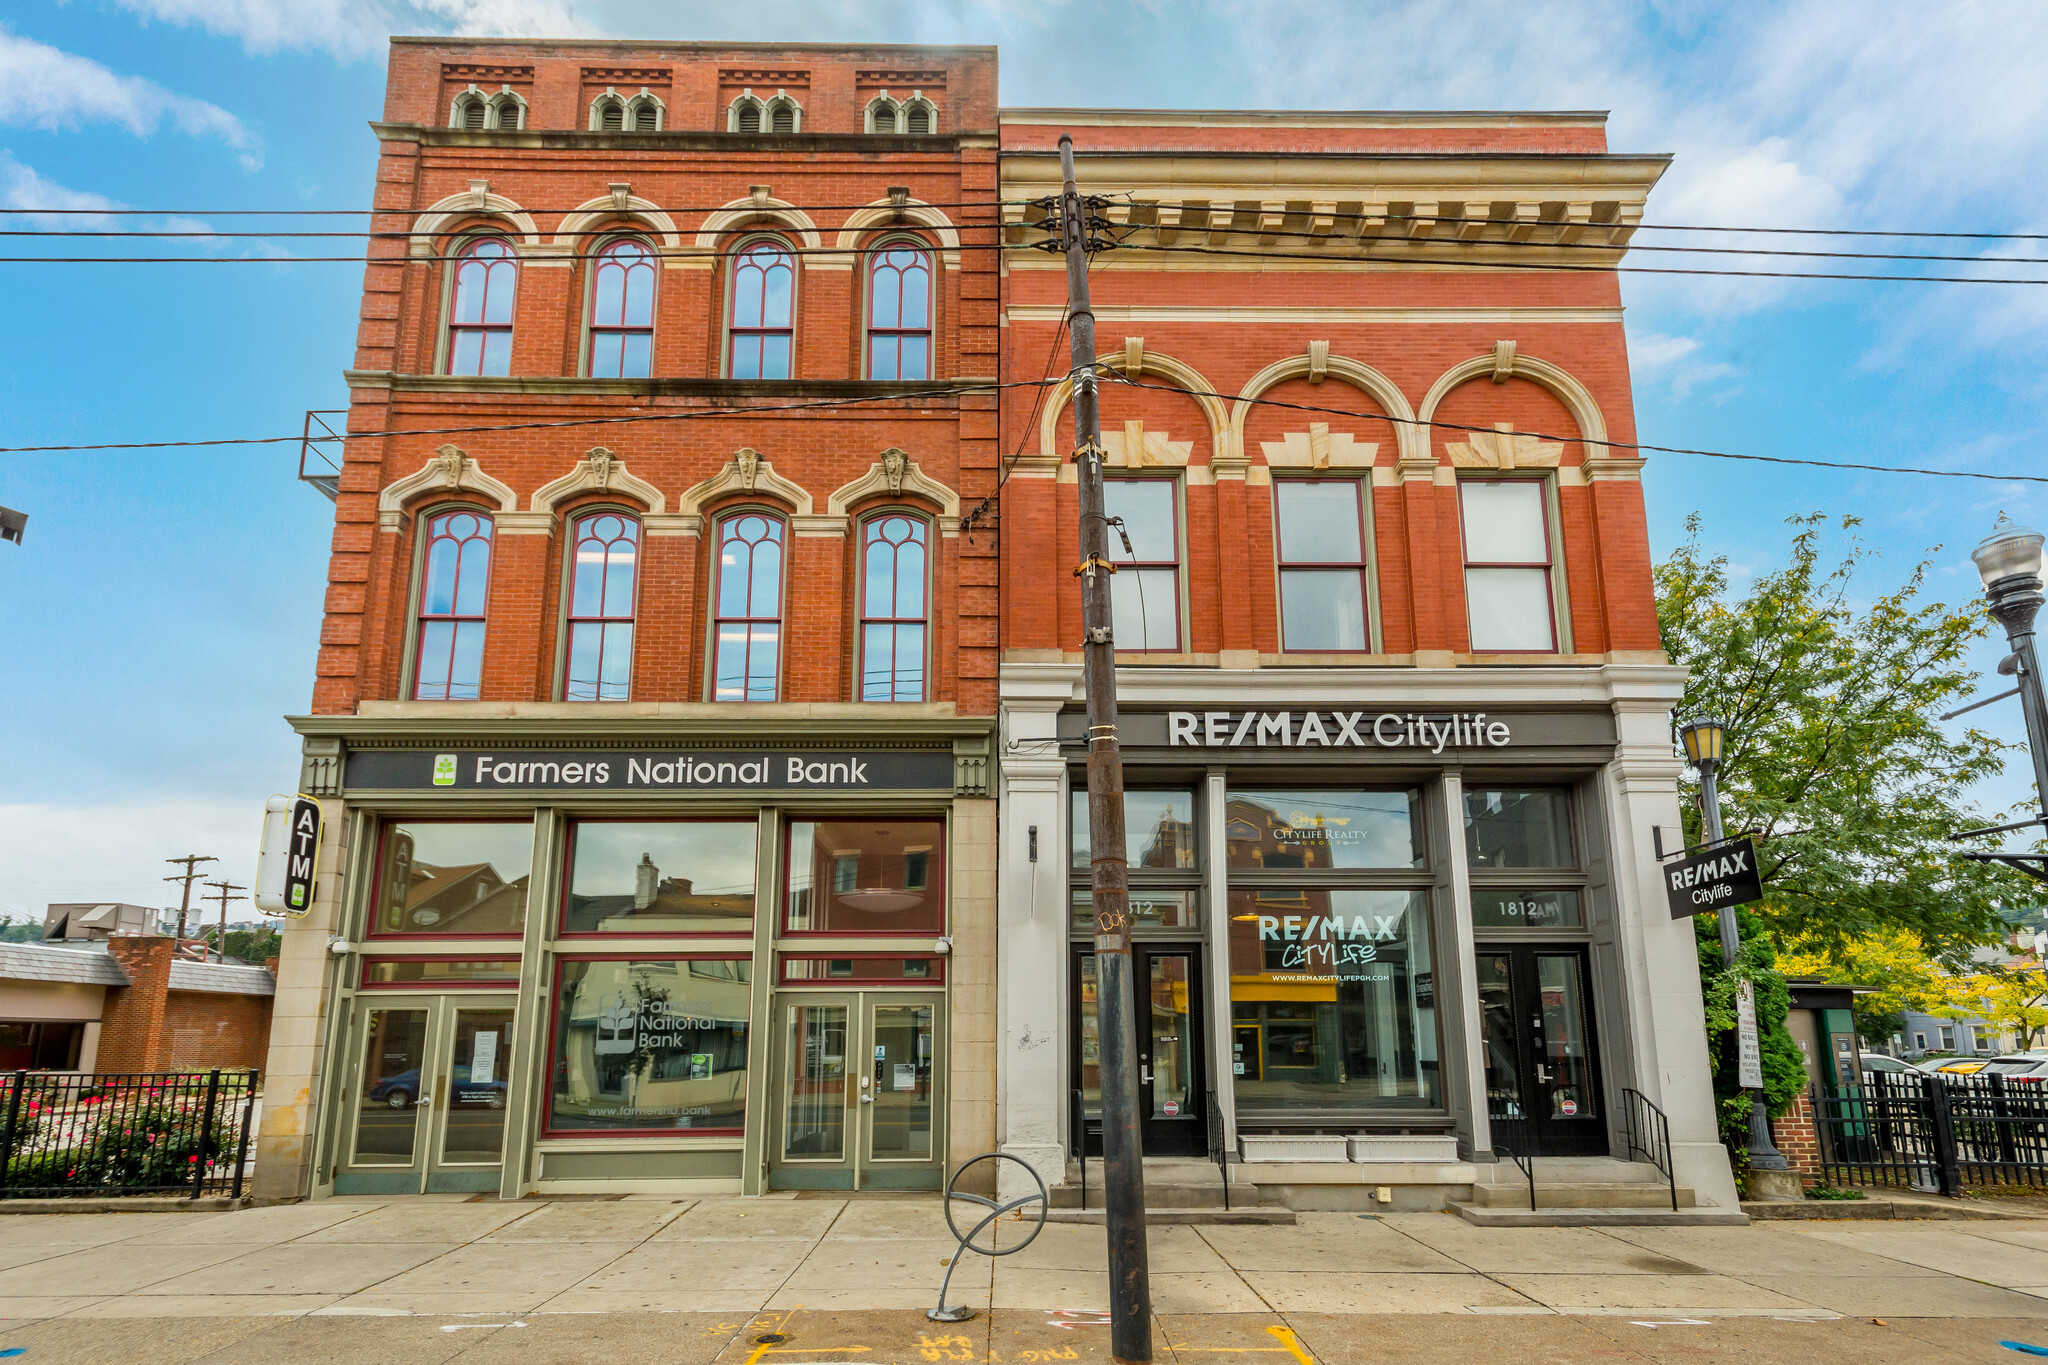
(1285, 1336)
(478, 1326)
(1676, 1322)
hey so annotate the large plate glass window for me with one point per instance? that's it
(452, 878)
(650, 1045)
(1524, 863)
(881, 876)
(1322, 566)
(660, 877)
(1145, 590)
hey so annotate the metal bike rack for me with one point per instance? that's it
(961, 1312)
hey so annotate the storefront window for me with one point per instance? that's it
(1495, 908)
(1159, 829)
(1518, 827)
(451, 878)
(867, 877)
(406, 972)
(1323, 829)
(1150, 909)
(660, 877)
(650, 1046)
(1332, 1000)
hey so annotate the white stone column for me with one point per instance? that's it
(1031, 912)
(1463, 1068)
(1665, 1029)
(1216, 909)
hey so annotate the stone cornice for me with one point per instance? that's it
(644, 723)
(669, 140)
(726, 390)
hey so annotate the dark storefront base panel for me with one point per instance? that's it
(641, 1165)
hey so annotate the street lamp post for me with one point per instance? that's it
(1703, 740)
(2009, 561)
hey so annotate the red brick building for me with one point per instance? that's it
(1395, 710)
(130, 1004)
(657, 676)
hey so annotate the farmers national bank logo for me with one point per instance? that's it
(444, 770)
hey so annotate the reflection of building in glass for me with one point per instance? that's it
(471, 897)
(850, 876)
(1162, 838)
(659, 1044)
(1258, 835)
(661, 905)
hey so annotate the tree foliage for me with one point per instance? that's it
(1834, 761)
(1784, 1070)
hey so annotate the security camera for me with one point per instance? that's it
(943, 946)
(339, 946)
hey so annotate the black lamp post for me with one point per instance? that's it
(1703, 739)
(2009, 561)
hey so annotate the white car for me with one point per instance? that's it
(2031, 1067)
(1878, 1061)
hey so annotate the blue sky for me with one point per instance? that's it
(162, 616)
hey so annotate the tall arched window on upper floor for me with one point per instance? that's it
(622, 311)
(892, 608)
(480, 308)
(900, 312)
(604, 565)
(454, 592)
(747, 645)
(763, 314)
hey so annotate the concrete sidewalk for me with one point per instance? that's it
(431, 1280)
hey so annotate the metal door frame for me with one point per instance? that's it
(857, 1160)
(1549, 1136)
(436, 1058)
(1185, 1134)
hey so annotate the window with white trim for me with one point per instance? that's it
(761, 326)
(480, 307)
(1145, 590)
(1322, 542)
(1509, 594)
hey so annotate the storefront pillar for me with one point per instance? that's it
(971, 1087)
(1660, 963)
(1216, 898)
(527, 1072)
(1032, 1109)
(1457, 990)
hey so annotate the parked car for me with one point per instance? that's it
(1954, 1066)
(2031, 1067)
(1878, 1061)
(401, 1090)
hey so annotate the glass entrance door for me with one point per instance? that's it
(427, 1088)
(1542, 1062)
(860, 1092)
(1172, 1098)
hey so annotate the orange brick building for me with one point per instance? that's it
(1394, 706)
(657, 676)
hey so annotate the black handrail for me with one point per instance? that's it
(1649, 1132)
(1077, 1135)
(1510, 1134)
(1216, 1151)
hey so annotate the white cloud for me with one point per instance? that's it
(352, 29)
(1670, 360)
(42, 87)
(116, 852)
(22, 188)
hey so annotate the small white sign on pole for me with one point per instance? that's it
(1749, 1050)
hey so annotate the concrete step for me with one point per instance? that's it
(1554, 1195)
(1577, 1170)
(1695, 1217)
(1156, 1217)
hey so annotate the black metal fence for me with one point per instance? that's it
(72, 1134)
(1934, 1134)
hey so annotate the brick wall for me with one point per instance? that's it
(1797, 1141)
(828, 173)
(146, 1026)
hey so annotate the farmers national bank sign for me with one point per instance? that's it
(663, 770)
(1410, 733)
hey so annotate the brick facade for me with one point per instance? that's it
(1797, 1139)
(146, 1026)
(691, 192)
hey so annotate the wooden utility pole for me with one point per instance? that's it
(1123, 1173)
(188, 876)
(221, 894)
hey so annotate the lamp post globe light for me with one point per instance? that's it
(2009, 561)
(1703, 738)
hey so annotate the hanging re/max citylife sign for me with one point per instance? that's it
(655, 770)
(1721, 876)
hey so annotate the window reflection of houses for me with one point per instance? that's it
(1162, 839)
(449, 899)
(651, 1045)
(663, 905)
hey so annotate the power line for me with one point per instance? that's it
(993, 386)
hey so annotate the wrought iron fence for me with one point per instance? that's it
(1649, 1132)
(1937, 1134)
(80, 1134)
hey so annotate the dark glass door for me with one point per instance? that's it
(1172, 1084)
(1542, 1058)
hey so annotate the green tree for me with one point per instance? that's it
(1784, 1071)
(1835, 763)
(20, 931)
(253, 946)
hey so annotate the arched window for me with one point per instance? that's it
(455, 584)
(608, 114)
(919, 118)
(784, 115)
(645, 114)
(470, 112)
(748, 651)
(763, 311)
(892, 609)
(507, 110)
(900, 313)
(746, 115)
(480, 308)
(604, 560)
(882, 115)
(622, 311)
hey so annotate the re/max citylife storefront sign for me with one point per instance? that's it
(1411, 733)
(650, 770)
